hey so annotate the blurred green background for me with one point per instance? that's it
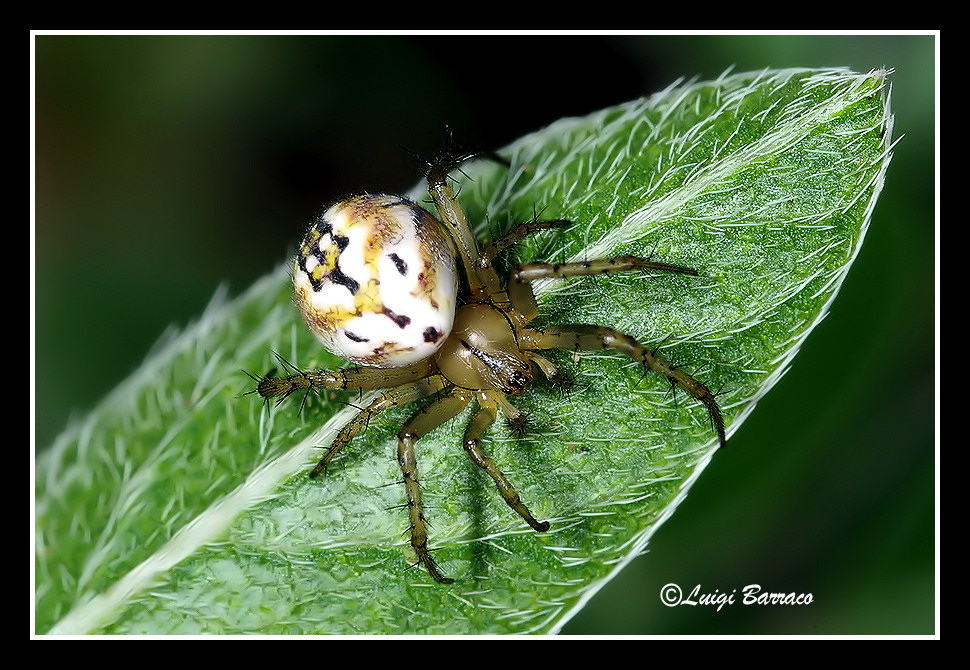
(167, 166)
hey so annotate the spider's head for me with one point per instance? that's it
(482, 352)
(505, 371)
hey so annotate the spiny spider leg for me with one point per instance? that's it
(480, 422)
(399, 395)
(451, 214)
(423, 421)
(578, 337)
(453, 153)
(352, 379)
(420, 424)
(516, 235)
(486, 271)
(531, 271)
(581, 336)
(523, 299)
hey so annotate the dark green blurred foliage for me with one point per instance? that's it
(167, 166)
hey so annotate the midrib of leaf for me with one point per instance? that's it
(143, 501)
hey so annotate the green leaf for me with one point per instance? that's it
(178, 507)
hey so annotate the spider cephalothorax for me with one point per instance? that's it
(377, 281)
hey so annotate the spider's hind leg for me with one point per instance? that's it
(451, 214)
(452, 154)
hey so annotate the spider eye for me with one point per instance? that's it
(376, 281)
(518, 381)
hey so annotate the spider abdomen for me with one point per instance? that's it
(376, 281)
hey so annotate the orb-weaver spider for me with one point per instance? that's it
(377, 281)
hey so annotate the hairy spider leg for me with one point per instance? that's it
(576, 337)
(350, 379)
(516, 235)
(525, 308)
(424, 421)
(484, 267)
(481, 278)
(485, 416)
(453, 217)
(582, 336)
(400, 395)
(533, 271)
(420, 424)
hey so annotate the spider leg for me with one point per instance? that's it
(396, 396)
(520, 287)
(549, 369)
(516, 235)
(532, 271)
(485, 417)
(422, 422)
(575, 337)
(483, 264)
(348, 379)
(451, 214)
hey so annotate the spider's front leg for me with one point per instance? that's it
(520, 282)
(488, 404)
(422, 422)
(576, 337)
(427, 419)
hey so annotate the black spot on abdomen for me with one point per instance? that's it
(399, 263)
(401, 320)
(338, 277)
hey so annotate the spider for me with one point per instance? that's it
(377, 281)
